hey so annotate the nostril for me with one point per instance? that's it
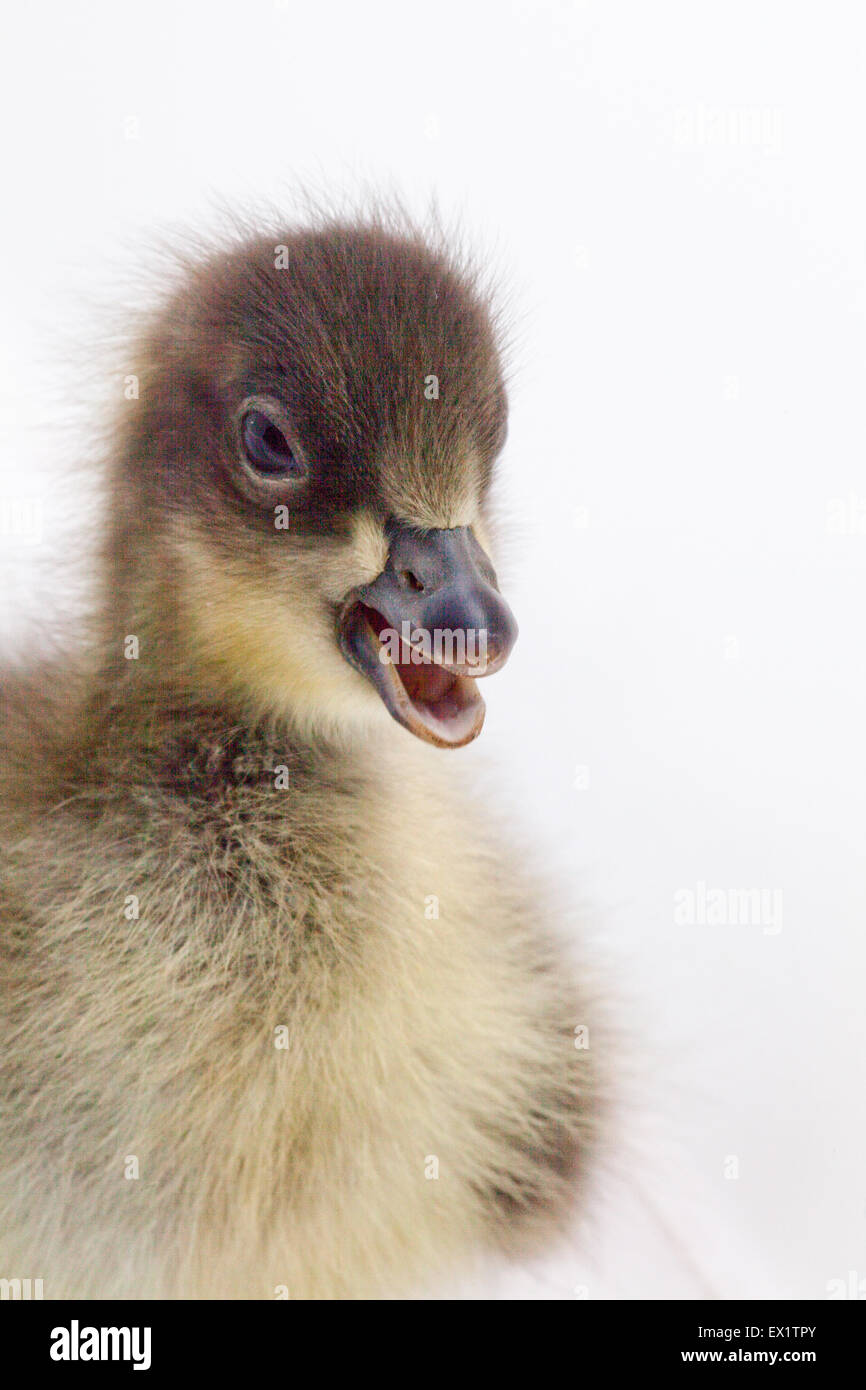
(412, 581)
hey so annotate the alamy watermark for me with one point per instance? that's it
(21, 1290)
(703, 906)
(750, 127)
(444, 646)
(77, 1343)
(846, 516)
(22, 517)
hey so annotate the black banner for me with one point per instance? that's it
(152, 1339)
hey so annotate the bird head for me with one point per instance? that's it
(311, 452)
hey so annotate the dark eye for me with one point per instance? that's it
(266, 447)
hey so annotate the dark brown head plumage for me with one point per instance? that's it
(370, 359)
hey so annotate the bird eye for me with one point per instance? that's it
(266, 447)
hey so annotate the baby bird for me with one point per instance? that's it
(283, 1014)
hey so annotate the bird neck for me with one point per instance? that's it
(145, 719)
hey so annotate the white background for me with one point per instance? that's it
(675, 194)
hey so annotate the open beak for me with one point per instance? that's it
(426, 629)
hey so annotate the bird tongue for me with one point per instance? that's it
(425, 682)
